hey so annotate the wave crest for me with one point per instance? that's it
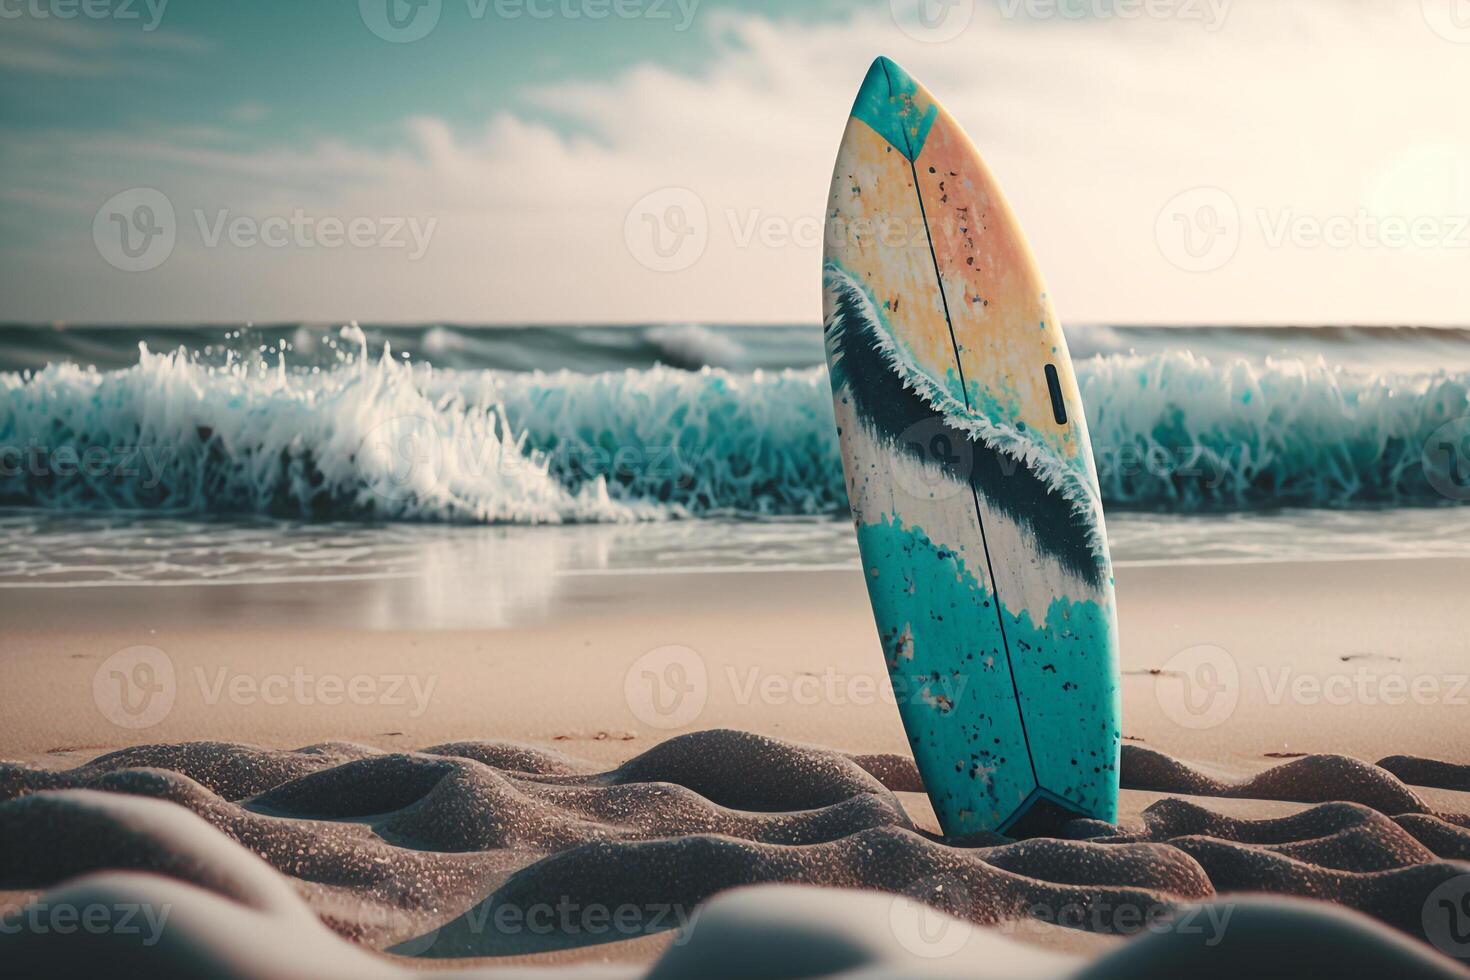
(367, 440)
(384, 439)
(1177, 432)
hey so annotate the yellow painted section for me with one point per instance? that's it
(876, 233)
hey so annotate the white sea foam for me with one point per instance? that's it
(350, 436)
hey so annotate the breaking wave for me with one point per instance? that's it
(375, 437)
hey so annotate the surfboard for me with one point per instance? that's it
(970, 475)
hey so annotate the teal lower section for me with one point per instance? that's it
(995, 705)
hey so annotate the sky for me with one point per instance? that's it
(586, 161)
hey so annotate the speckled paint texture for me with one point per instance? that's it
(976, 505)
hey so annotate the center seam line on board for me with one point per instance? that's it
(965, 392)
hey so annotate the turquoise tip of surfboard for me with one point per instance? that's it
(886, 103)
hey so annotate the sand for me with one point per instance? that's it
(790, 654)
(654, 741)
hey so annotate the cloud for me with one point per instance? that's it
(249, 112)
(97, 48)
(1300, 112)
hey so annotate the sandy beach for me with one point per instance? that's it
(759, 698)
(1365, 658)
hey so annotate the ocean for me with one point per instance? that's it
(192, 455)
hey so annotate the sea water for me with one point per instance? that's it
(195, 455)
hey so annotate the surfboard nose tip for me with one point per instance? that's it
(895, 107)
(882, 75)
(886, 80)
(875, 85)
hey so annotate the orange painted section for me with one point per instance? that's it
(1004, 324)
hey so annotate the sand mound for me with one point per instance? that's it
(309, 862)
(1310, 779)
(1428, 772)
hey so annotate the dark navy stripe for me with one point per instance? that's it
(900, 418)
